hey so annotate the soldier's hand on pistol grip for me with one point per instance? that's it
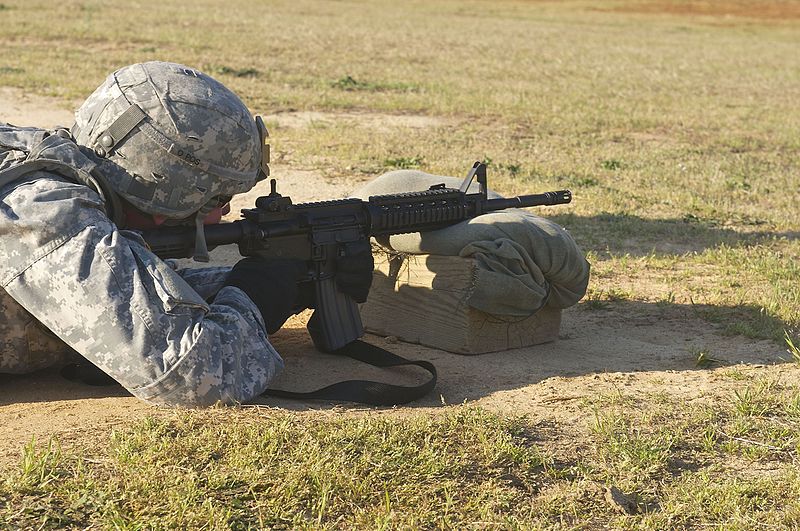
(272, 286)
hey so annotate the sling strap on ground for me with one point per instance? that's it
(364, 391)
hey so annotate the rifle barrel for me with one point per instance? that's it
(560, 197)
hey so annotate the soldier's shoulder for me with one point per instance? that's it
(39, 213)
(49, 194)
(45, 200)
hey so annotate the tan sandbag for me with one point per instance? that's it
(526, 261)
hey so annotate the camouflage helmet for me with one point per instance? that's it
(181, 142)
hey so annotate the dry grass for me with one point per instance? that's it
(679, 135)
(726, 462)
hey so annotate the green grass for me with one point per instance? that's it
(235, 470)
(794, 349)
(464, 468)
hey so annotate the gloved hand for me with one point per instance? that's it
(354, 270)
(271, 285)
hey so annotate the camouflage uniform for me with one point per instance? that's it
(68, 271)
(108, 297)
(25, 344)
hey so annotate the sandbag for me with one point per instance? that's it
(525, 262)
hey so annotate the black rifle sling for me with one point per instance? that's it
(365, 391)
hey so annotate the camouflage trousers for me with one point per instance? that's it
(25, 344)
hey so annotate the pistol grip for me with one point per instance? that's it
(335, 321)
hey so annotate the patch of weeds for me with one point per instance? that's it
(3, 7)
(235, 72)
(792, 410)
(404, 163)
(745, 320)
(749, 220)
(514, 169)
(617, 294)
(598, 299)
(709, 438)
(704, 359)
(794, 349)
(595, 304)
(38, 466)
(742, 145)
(754, 401)
(611, 164)
(667, 300)
(148, 49)
(11, 70)
(731, 185)
(759, 421)
(584, 182)
(736, 373)
(612, 398)
(707, 500)
(760, 325)
(594, 300)
(630, 448)
(349, 83)
(691, 218)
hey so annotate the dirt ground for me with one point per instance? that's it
(627, 347)
(774, 10)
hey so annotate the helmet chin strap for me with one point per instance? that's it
(200, 246)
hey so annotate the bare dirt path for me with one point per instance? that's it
(624, 347)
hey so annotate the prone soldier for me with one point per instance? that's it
(162, 145)
(156, 144)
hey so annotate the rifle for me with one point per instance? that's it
(318, 232)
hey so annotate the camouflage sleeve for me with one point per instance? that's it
(206, 281)
(107, 296)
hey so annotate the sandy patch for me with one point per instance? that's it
(21, 109)
(377, 121)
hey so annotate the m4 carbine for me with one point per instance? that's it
(319, 232)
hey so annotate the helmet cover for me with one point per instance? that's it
(179, 140)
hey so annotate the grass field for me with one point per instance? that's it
(676, 125)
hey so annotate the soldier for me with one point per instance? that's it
(157, 143)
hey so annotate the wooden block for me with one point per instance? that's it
(422, 299)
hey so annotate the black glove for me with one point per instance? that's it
(354, 270)
(271, 285)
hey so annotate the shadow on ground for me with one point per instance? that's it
(596, 337)
(623, 233)
(617, 337)
(49, 386)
